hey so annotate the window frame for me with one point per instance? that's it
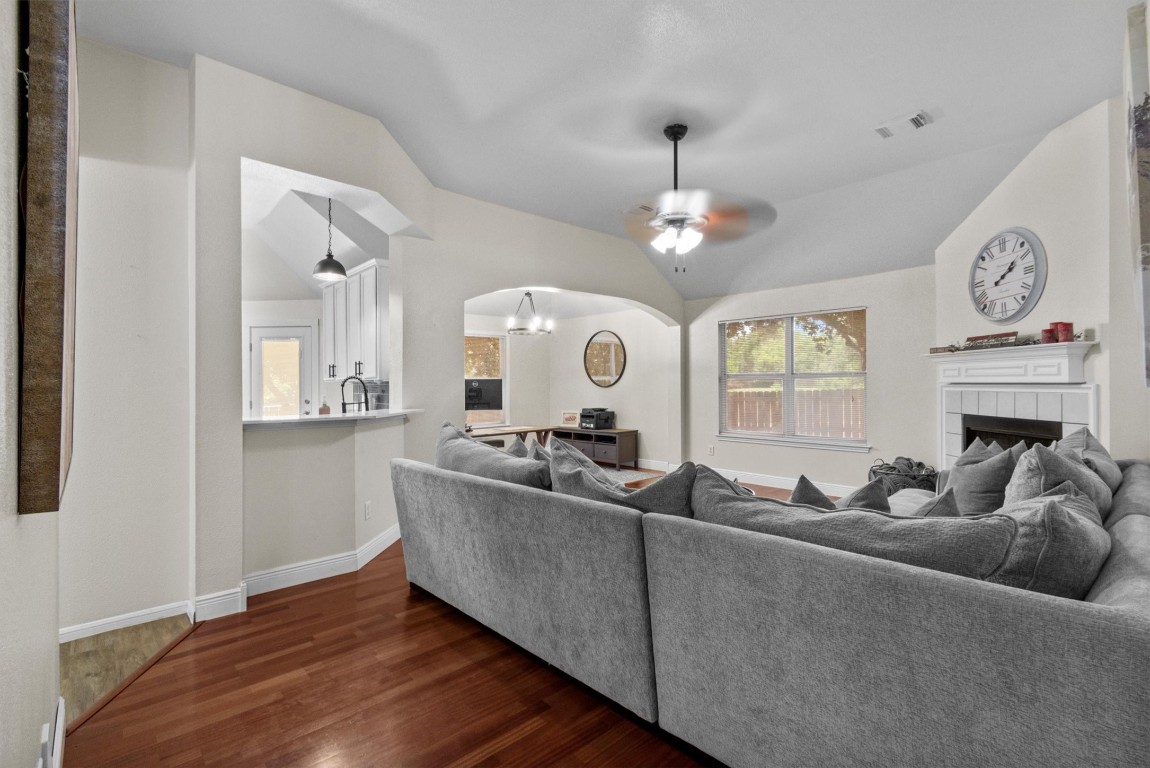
(788, 379)
(504, 366)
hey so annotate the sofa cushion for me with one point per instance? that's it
(1046, 544)
(980, 475)
(456, 451)
(870, 496)
(908, 501)
(574, 474)
(517, 448)
(1041, 469)
(1086, 448)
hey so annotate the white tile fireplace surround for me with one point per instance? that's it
(1042, 382)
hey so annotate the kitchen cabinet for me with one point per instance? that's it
(356, 326)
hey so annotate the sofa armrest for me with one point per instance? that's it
(563, 577)
(776, 652)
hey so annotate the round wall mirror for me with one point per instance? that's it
(604, 358)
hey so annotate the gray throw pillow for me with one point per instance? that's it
(943, 505)
(1059, 548)
(1087, 449)
(459, 453)
(870, 496)
(538, 452)
(518, 448)
(1041, 469)
(1016, 547)
(979, 477)
(670, 495)
(977, 451)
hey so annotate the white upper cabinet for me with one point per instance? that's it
(355, 324)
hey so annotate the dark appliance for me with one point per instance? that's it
(483, 394)
(596, 418)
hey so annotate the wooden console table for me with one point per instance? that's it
(618, 446)
(541, 433)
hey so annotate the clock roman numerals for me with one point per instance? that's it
(981, 297)
(1028, 269)
(1002, 245)
(980, 284)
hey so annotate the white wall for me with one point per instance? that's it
(305, 491)
(477, 248)
(900, 381)
(266, 276)
(29, 654)
(1070, 191)
(299, 495)
(124, 515)
(528, 374)
(646, 398)
(480, 248)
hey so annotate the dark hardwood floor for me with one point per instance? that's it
(359, 670)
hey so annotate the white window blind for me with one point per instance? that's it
(799, 377)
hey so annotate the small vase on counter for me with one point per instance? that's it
(324, 409)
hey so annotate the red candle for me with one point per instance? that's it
(1065, 331)
(1049, 335)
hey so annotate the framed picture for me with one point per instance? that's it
(47, 251)
(569, 418)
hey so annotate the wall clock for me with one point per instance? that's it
(1008, 275)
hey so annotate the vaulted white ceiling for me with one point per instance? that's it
(556, 108)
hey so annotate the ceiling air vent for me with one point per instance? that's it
(904, 124)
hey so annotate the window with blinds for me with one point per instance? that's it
(798, 378)
(484, 358)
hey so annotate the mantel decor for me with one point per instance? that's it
(1062, 363)
(47, 156)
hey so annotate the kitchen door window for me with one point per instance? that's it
(281, 371)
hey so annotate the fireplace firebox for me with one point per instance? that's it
(1007, 432)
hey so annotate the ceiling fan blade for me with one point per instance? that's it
(731, 219)
(727, 218)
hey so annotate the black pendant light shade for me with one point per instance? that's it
(328, 269)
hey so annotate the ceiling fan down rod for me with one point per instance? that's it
(675, 132)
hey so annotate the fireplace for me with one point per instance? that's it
(1007, 432)
(1032, 394)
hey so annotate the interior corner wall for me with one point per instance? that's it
(124, 515)
(1064, 191)
(235, 115)
(646, 396)
(528, 370)
(29, 649)
(901, 390)
(480, 248)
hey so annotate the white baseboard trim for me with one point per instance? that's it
(272, 579)
(375, 547)
(219, 604)
(660, 466)
(292, 575)
(68, 634)
(777, 481)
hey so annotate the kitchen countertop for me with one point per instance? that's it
(330, 420)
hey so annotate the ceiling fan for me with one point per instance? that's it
(680, 219)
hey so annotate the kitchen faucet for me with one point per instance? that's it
(343, 397)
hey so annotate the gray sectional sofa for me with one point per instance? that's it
(766, 651)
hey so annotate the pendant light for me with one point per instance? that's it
(328, 269)
(528, 324)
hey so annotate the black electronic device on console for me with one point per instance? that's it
(596, 418)
(483, 394)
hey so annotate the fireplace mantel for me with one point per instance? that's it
(1032, 364)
